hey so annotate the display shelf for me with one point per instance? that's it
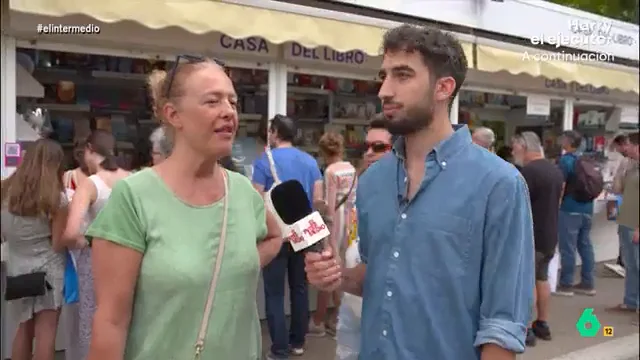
(250, 117)
(66, 107)
(306, 90)
(98, 74)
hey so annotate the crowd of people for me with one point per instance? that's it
(562, 199)
(438, 248)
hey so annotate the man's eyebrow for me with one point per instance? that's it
(397, 68)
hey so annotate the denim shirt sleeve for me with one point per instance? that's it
(507, 278)
(363, 241)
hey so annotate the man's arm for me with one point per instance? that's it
(353, 278)
(507, 275)
(618, 179)
(259, 177)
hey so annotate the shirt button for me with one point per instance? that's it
(384, 332)
(389, 293)
(444, 164)
(403, 216)
(396, 254)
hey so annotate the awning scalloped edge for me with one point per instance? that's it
(492, 59)
(275, 26)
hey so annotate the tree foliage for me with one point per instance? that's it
(625, 10)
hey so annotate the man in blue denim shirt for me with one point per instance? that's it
(574, 226)
(445, 226)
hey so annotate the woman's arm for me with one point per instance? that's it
(115, 273)
(84, 196)
(58, 223)
(270, 246)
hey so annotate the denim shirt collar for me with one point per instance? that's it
(445, 150)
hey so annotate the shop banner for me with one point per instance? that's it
(328, 56)
(538, 105)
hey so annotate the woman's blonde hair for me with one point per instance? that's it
(331, 144)
(163, 90)
(36, 187)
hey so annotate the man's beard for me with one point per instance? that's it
(415, 120)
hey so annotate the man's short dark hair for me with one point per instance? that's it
(284, 127)
(634, 138)
(574, 137)
(621, 139)
(378, 122)
(441, 52)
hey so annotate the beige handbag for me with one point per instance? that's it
(202, 334)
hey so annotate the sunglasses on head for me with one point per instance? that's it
(189, 59)
(377, 146)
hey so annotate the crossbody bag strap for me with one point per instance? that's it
(202, 334)
(272, 165)
(344, 199)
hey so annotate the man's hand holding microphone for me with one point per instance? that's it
(324, 269)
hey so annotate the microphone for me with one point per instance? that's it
(303, 227)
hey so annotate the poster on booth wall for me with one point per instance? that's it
(12, 154)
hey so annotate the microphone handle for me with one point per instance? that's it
(317, 247)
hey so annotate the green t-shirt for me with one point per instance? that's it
(179, 243)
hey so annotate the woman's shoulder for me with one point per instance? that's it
(137, 182)
(239, 180)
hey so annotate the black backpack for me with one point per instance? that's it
(587, 183)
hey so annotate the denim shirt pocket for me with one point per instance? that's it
(445, 241)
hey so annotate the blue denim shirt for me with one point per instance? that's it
(453, 268)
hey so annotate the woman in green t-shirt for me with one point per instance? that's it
(156, 241)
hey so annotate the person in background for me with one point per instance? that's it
(505, 153)
(377, 142)
(73, 178)
(88, 200)
(291, 164)
(620, 144)
(339, 185)
(33, 217)
(545, 183)
(350, 311)
(156, 242)
(436, 265)
(161, 145)
(484, 137)
(628, 222)
(574, 226)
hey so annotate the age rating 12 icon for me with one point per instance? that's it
(588, 325)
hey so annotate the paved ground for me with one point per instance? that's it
(566, 343)
(564, 314)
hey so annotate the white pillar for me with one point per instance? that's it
(567, 120)
(8, 98)
(455, 110)
(277, 89)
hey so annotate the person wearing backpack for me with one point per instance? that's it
(583, 184)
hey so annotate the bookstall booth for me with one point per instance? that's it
(318, 70)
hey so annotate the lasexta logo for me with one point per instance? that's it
(294, 237)
(314, 228)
